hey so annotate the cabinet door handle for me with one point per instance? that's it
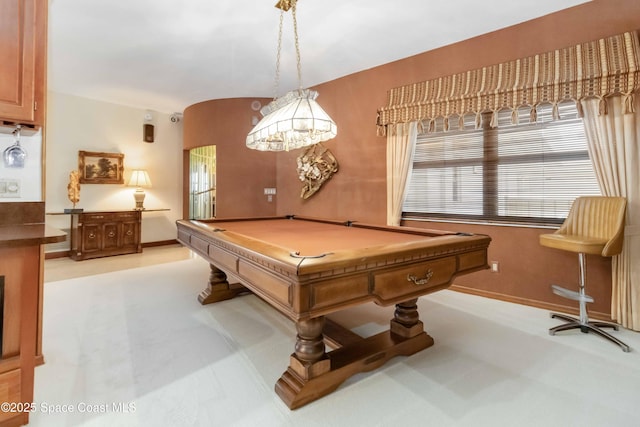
(111, 234)
(92, 236)
(129, 233)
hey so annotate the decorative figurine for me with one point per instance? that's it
(73, 191)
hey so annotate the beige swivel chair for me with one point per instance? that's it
(595, 226)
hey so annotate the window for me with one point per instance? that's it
(527, 172)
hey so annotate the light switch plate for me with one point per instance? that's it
(9, 188)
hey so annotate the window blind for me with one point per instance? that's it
(515, 172)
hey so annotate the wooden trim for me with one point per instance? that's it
(39, 357)
(186, 183)
(529, 302)
(160, 243)
(65, 254)
(56, 254)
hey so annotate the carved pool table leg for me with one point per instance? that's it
(313, 373)
(218, 288)
(406, 321)
(309, 361)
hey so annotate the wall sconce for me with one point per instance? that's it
(139, 179)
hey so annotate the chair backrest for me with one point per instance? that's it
(598, 217)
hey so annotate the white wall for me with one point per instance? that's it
(75, 124)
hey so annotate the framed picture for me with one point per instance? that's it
(101, 168)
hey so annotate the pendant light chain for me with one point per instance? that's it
(293, 120)
(276, 85)
(295, 33)
(292, 4)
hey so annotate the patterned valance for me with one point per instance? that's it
(599, 69)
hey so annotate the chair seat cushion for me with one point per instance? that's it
(573, 243)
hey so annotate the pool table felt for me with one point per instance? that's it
(310, 238)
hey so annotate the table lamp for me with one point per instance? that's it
(139, 179)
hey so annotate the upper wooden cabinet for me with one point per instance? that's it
(23, 30)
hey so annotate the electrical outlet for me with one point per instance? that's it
(495, 266)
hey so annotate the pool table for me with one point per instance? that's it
(308, 268)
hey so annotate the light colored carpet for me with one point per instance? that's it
(135, 348)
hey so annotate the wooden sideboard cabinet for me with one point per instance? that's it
(100, 234)
(23, 25)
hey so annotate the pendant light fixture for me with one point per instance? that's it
(294, 120)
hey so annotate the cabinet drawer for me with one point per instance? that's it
(94, 217)
(10, 390)
(125, 216)
(109, 216)
(414, 280)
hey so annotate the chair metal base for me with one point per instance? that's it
(583, 322)
(586, 327)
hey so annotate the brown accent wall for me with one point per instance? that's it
(241, 173)
(358, 190)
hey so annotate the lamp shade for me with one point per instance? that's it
(139, 178)
(293, 121)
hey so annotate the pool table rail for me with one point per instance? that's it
(305, 287)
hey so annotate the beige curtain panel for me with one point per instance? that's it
(614, 148)
(400, 150)
(597, 69)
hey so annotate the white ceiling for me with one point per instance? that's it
(166, 55)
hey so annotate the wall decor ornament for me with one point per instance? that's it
(101, 168)
(316, 165)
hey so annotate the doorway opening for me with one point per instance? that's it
(202, 182)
